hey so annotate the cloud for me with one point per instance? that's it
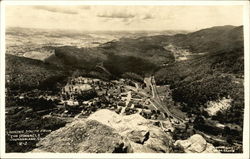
(116, 15)
(105, 17)
(63, 10)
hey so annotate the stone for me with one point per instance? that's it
(83, 137)
(138, 130)
(139, 136)
(107, 132)
(195, 144)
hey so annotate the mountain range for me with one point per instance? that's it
(213, 68)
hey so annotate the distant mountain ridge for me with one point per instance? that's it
(213, 39)
(145, 55)
(151, 48)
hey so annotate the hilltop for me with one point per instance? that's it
(151, 50)
(107, 132)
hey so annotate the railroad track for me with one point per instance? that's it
(160, 103)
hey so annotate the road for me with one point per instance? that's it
(155, 100)
(100, 65)
(128, 99)
(158, 102)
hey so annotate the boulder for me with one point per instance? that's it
(83, 137)
(195, 144)
(141, 133)
(139, 136)
(107, 132)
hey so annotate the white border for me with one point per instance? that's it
(2, 80)
(247, 79)
(150, 2)
(244, 155)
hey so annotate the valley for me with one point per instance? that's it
(184, 84)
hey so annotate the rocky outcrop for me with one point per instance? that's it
(195, 144)
(83, 136)
(213, 107)
(107, 132)
(142, 135)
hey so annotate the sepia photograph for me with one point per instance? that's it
(143, 79)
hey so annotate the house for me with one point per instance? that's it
(123, 104)
(85, 102)
(72, 103)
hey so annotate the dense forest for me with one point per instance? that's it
(217, 74)
(24, 74)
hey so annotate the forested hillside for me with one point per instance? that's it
(26, 74)
(210, 77)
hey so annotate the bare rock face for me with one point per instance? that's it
(83, 136)
(107, 132)
(142, 135)
(139, 136)
(195, 144)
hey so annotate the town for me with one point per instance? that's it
(82, 96)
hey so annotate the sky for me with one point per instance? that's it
(132, 18)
